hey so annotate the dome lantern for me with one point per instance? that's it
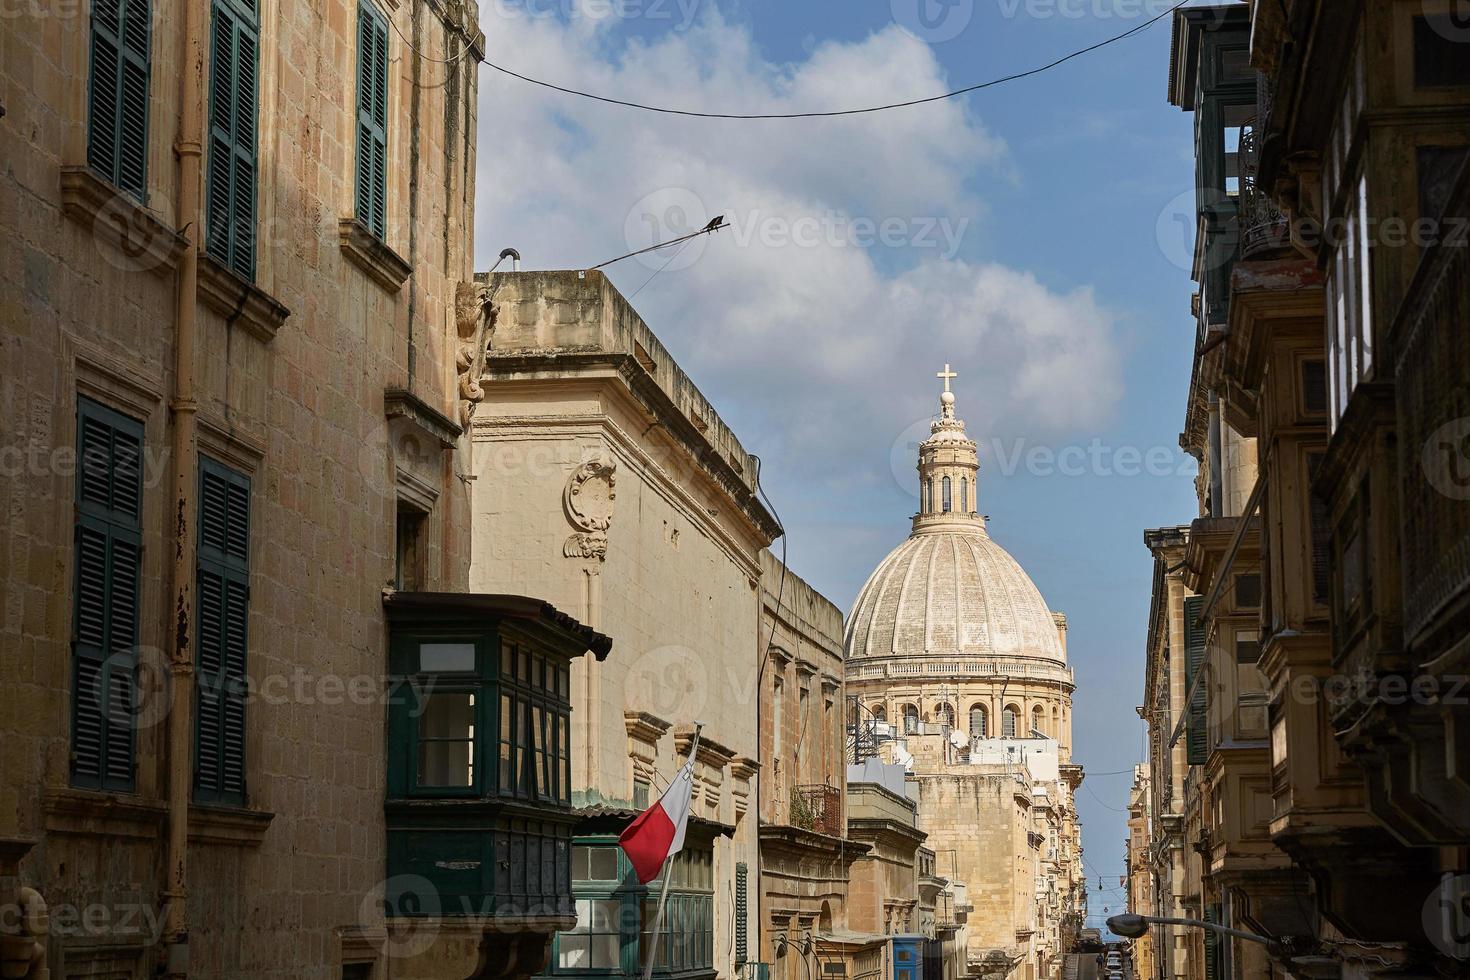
(948, 468)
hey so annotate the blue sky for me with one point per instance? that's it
(1032, 242)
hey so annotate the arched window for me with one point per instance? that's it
(944, 714)
(879, 712)
(979, 722)
(945, 491)
(1056, 723)
(910, 719)
(1036, 722)
(1009, 720)
(964, 495)
(928, 502)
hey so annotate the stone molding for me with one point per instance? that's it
(474, 324)
(232, 826)
(372, 255)
(644, 727)
(239, 301)
(95, 814)
(143, 240)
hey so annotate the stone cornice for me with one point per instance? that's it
(239, 301)
(711, 753)
(372, 255)
(645, 727)
(784, 838)
(744, 767)
(399, 403)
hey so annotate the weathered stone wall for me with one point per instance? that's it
(298, 407)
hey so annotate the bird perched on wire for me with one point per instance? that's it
(715, 223)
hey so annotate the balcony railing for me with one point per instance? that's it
(817, 808)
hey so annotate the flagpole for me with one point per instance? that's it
(663, 897)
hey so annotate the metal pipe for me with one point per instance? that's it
(183, 419)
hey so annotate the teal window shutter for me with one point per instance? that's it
(1212, 944)
(117, 94)
(109, 548)
(1196, 747)
(372, 120)
(230, 182)
(742, 884)
(223, 586)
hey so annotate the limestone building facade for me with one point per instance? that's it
(229, 329)
(959, 670)
(605, 480)
(1328, 579)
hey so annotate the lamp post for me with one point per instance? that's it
(1131, 926)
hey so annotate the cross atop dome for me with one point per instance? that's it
(946, 375)
(946, 399)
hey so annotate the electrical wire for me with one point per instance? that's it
(661, 268)
(423, 57)
(839, 112)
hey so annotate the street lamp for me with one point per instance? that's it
(1131, 926)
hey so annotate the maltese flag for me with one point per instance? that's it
(657, 833)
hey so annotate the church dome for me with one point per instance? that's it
(949, 590)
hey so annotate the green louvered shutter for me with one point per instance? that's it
(230, 185)
(742, 885)
(117, 94)
(224, 606)
(1194, 662)
(1212, 945)
(109, 496)
(372, 120)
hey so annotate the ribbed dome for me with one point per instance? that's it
(949, 590)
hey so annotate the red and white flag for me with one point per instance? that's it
(657, 833)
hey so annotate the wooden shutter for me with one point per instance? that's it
(117, 94)
(109, 496)
(1212, 945)
(742, 884)
(224, 605)
(372, 120)
(230, 185)
(1194, 662)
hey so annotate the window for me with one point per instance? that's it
(945, 491)
(109, 498)
(223, 601)
(372, 120)
(535, 726)
(1439, 62)
(964, 495)
(979, 722)
(1010, 719)
(1036, 721)
(686, 941)
(117, 94)
(407, 555)
(927, 504)
(1349, 307)
(615, 914)
(944, 714)
(231, 174)
(910, 719)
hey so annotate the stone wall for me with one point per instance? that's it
(291, 380)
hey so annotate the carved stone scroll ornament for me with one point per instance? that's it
(474, 324)
(588, 502)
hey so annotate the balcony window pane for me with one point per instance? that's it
(441, 658)
(447, 740)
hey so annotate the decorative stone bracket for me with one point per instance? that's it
(474, 324)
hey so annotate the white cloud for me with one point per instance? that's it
(828, 342)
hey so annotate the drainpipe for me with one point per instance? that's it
(183, 425)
